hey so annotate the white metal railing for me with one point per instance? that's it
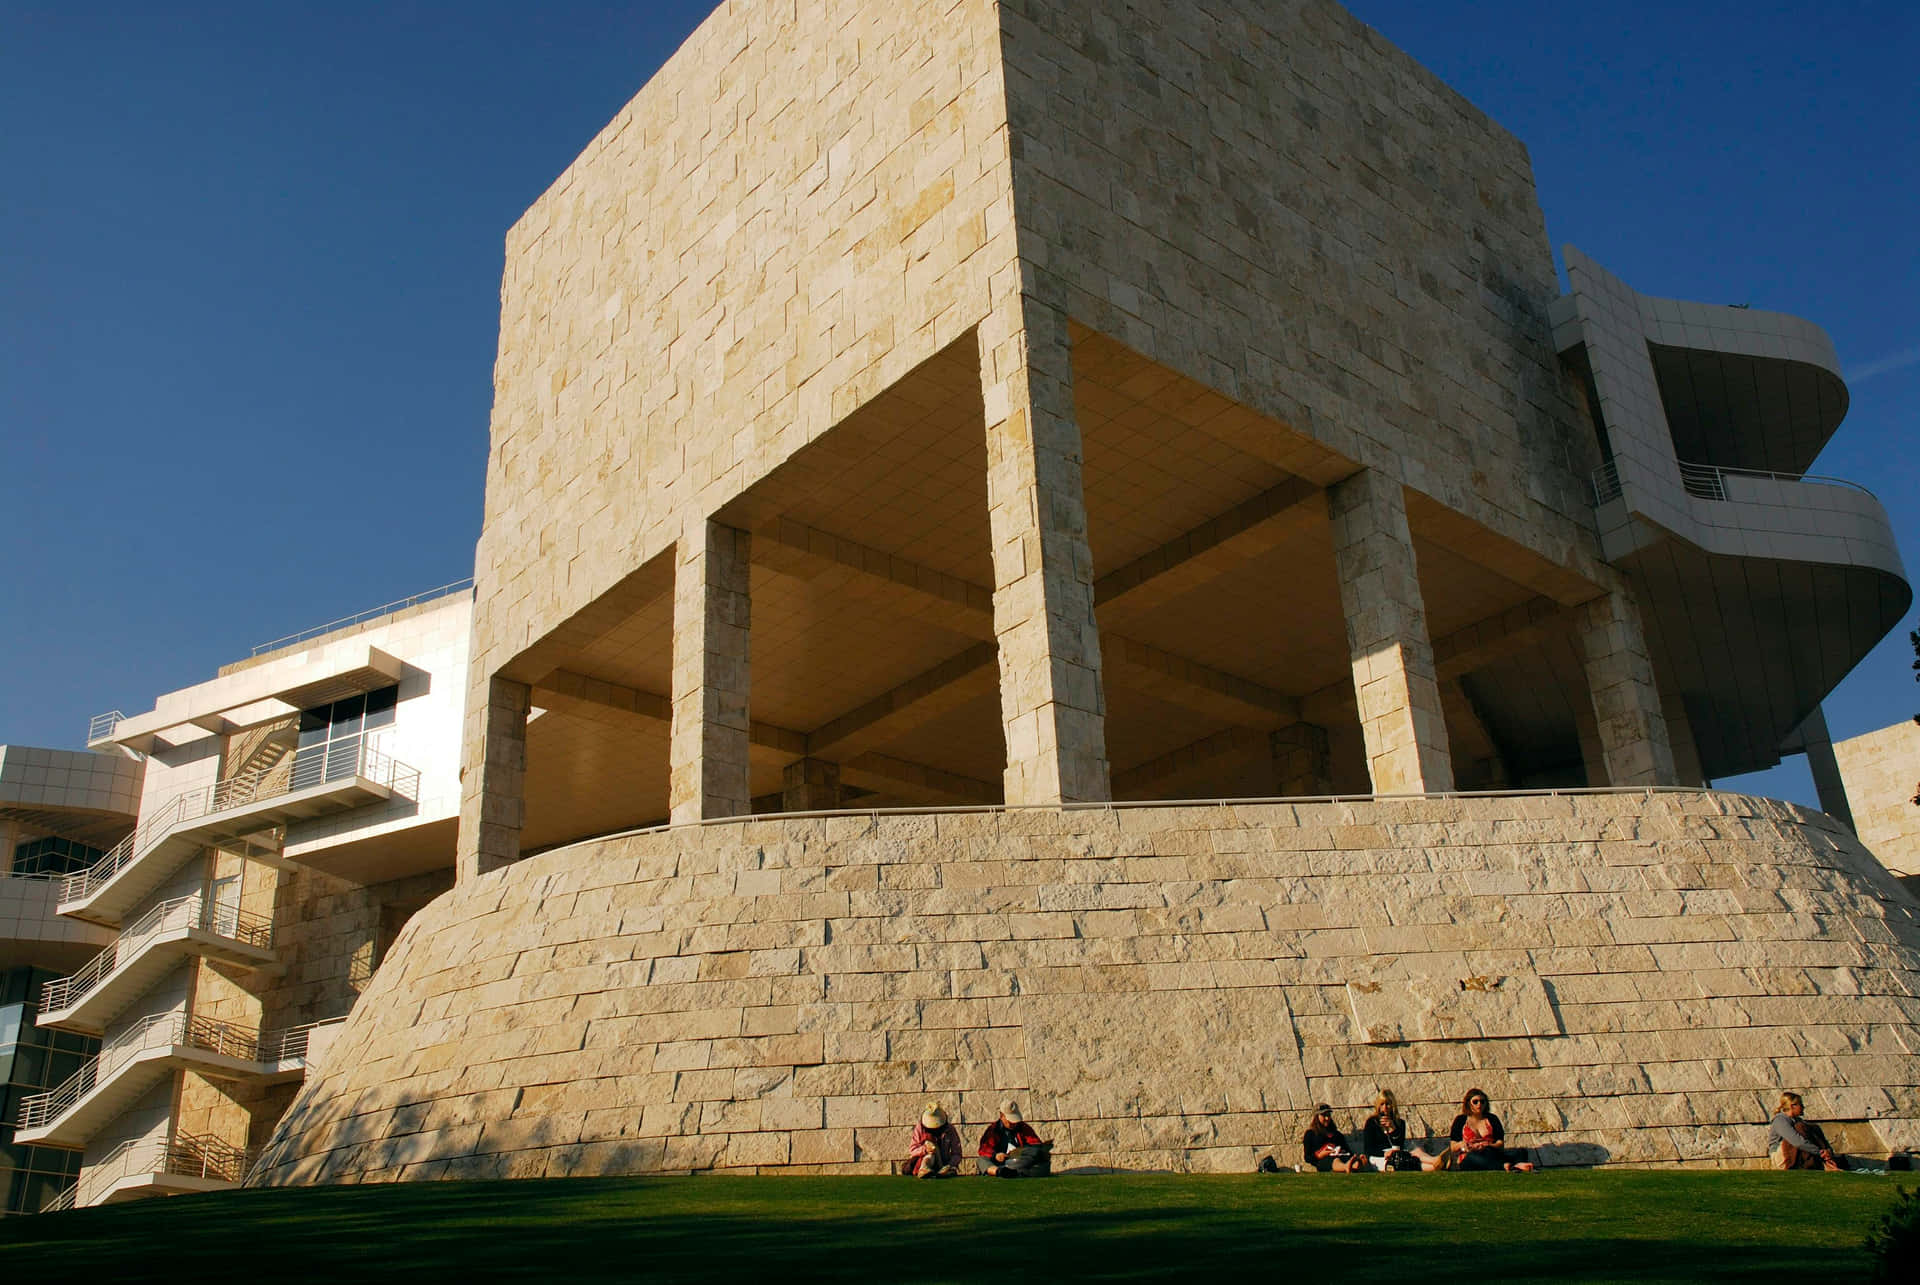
(290, 1044)
(62, 1201)
(161, 1030)
(385, 609)
(102, 725)
(1709, 481)
(267, 736)
(189, 1155)
(193, 911)
(1606, 483)
(313, 765)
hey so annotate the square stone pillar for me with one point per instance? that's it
(493, 781)
(1302, 763)
(1686, 753)
(1593, 759)
(1393, 674)
(707, 757)
(810, 785)
(1626, 703)
(1052, 706)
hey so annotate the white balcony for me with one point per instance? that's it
(147, 951)
(334, 777)
(148, 1052)
(187, 1164)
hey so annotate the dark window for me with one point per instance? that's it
(53, 856)
(331, 735)
(32, 1060)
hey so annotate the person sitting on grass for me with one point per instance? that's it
(1011, 1149)
(1797, 1143)
(935, 1152)
(1479, 1139)
(1384, 1139)
(1325, 1147)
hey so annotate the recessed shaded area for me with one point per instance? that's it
(1753, 644)
(872, 648)
(1731, 410)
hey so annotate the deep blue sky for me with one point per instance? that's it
(250, 259)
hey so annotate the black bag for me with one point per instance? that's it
(1268, 1165)
(1030, 1162)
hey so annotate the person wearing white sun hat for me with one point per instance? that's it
(936, 1149)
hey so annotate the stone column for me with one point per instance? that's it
(1593, 758)
(1393, 675)
(1821, 761)
(1686, 753)
(1051, 702)
(810, 785)
(1302, 763)
(1626, 704)
(707, 758)
(493, 780)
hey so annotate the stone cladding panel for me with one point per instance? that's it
(1632, 976)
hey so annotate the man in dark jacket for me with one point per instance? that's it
(1011, 1149)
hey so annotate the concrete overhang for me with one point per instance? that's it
(258, 695)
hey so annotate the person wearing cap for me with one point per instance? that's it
(1011, 1149)
(936, 1149)
(1325, 1147)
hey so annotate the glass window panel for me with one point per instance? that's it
(41, 1188)
(29, 1065)
(343, 758)
(313, 725)
(381, 705)
(347, 716)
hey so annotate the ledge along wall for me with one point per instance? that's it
(1632, 976)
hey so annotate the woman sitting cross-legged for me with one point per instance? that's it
(1325, 1147)
(1479, 1140)
(1384, 1139)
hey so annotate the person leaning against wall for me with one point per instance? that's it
(1797, 1143)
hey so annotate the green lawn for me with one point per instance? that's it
(1642, 1226)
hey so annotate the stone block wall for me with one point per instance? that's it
(1633, 977)
(1881, 771)
(806, 202)
(1271, 198)
(328, 937)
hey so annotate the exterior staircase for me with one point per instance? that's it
(147, 951)
(279, 788)
(144, 1054)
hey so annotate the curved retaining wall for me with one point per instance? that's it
(1633, 977)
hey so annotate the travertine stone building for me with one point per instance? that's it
(1044, 402)
(1048, 403)
(929, 436)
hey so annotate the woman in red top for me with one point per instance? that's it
(1479, 1139)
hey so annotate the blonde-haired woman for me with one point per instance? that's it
(1797, 1143)
(1384, 1139)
